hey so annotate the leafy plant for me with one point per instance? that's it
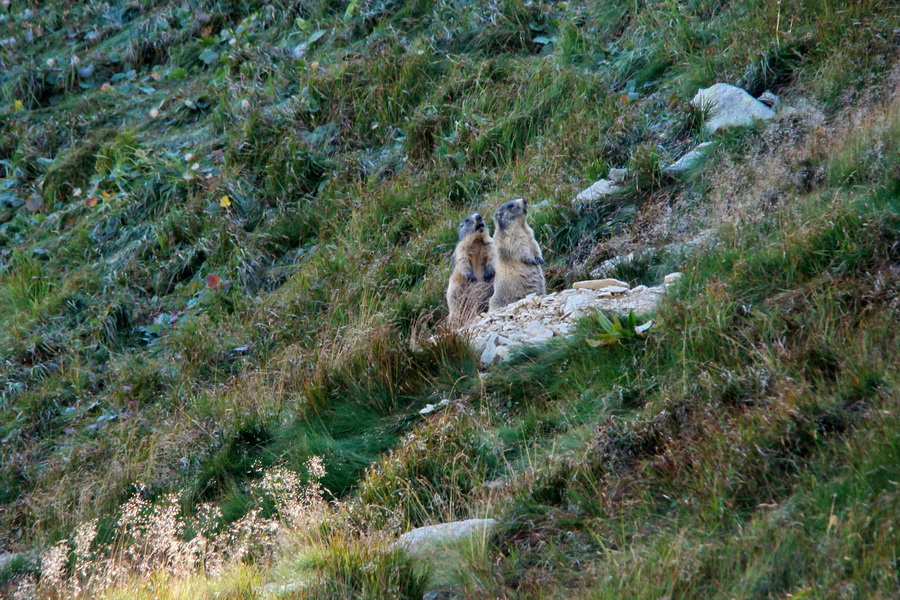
(616, 331)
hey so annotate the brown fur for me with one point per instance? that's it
(519, 257)
(471, 283)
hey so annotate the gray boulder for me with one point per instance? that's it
(730, 106)
(424, 541)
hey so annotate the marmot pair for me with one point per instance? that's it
(491, 273)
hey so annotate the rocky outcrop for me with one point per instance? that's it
(729, 106)
(537, 319)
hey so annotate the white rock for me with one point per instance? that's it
(579, 305)
(615, 289)
(637, 289)
(430, 408)
(536, 333)
(490, 352)
(689, 160)
(598, 190)
(419, 542)
(561, 329)
(502, 353)
(672, 278)
(599, 284)
(729, 106)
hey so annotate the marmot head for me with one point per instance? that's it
(471, 224)
(511, 212)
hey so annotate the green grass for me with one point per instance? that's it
(349, 138)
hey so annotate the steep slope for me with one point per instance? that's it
(225, 229)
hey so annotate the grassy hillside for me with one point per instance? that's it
(225, 231)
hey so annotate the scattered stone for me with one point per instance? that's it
(537, 333)
(617, 175)
(6, 558)
(672, 278)
(489, 354)
(502, 353)
(729, 106)
(615, 289)
(430, 408)
(771, 100)
(34, 203)
(599, 284)
(479, 344)
(688, 161)
(87, 71)
(598, 190)
(10, 200)
(423, 540)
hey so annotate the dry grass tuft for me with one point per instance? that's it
(156, 542)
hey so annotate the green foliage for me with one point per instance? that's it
(26, 286)
(615, 331)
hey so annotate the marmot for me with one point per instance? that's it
(471, 282)
(519, 258)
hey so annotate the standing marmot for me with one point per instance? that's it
(471, 283)
(519, 258)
